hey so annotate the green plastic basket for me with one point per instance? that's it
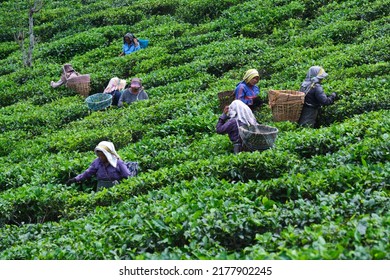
(99, 101)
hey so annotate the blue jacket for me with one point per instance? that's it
(127, 49)
(246, 93)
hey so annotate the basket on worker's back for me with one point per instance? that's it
(225, 98)
(99, 101)
(80, 84)
(258, 137)
(286, 105)
(143, 43)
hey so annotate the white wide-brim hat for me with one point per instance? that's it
(108, 149)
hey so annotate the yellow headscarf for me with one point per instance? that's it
(250, 74)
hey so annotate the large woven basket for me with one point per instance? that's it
(286, 105)
(99, 101)
(259, 137)
(80, 84)
(225, 98)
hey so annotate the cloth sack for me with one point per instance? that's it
(133, 168)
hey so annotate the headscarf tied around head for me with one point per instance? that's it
(115, 84)
(240, 111)
(250, 74)
(108, 150)
(67, 71)
(313, 76)
(67, 68)
(136, 82)
(130, 36)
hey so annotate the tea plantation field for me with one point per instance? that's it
(320, 193)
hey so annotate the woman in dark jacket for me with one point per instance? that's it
(134, 93)
(315, 96)
(235, 115)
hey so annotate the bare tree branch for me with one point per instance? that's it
(27, 55)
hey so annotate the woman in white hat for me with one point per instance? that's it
(108, 167)
(234, 116)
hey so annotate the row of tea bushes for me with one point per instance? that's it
(271, 164)
(318, 194)
(247, 167)
(312, 142)
(245, 220)
(25, 116)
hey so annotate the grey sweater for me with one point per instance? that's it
(129, 97)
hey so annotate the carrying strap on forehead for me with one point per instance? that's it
(309, 88)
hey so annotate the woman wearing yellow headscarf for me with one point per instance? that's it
(247, 91)
(314, 96)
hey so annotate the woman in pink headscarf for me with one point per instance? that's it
(115, 88)
(67, 73)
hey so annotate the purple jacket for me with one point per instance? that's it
(229, 127)
(103, 172)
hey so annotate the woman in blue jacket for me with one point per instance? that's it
(247, 91)
(130, 44)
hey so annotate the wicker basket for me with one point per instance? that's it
(225, 98)
(259, 137)
(99, 101)
(80, 84)
(286, 105)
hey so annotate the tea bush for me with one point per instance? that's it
(319, 193)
